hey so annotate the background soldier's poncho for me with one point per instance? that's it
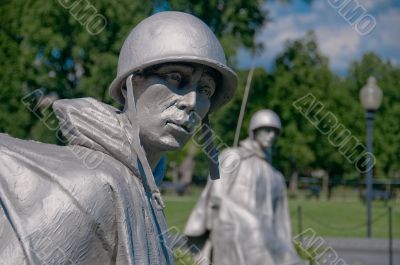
(79, 204)
(246, 213)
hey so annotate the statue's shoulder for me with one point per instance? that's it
(229, 151)
(279, 179)
(277, 173)
(230, 158)
(33, 174)
(61, 165)
(18, 153)
(68, 105)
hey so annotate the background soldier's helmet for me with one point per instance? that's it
(174, 37)
(265, 118)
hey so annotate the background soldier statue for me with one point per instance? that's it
(246, 212)
(58, 208)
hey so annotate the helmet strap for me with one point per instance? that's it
(251, 134)
(137, 148)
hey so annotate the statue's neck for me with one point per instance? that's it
(153, 156)
(268, 154)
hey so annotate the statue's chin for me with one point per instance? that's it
(171, 143)
(265, 146)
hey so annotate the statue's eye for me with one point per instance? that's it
(206, 91)
(174, 78)
(206, 86)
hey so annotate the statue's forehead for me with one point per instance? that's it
(267, 129)
(185, 68)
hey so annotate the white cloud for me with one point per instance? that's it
(340, 45)
(387, 28)
(385, 38)
(337, 39)
(275, 36)
(371, 4)
(395, 61)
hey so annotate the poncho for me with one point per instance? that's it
(84, 203)
(245, 214)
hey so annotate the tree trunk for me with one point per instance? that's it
(293, 185)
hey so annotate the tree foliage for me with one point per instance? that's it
(234, 22)
(46, 47)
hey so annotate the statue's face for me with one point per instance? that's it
(171, 100)
(265, 136)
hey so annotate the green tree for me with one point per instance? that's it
(47, 46)
(234, 22)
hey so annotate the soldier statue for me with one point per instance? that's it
(57, 208)
(243, 218)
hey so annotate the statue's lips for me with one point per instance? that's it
(181, 126)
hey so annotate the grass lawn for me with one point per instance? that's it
(327, 218)
(178, 209)
(344, 219)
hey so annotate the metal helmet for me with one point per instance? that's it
(174, 37)
(265, 118)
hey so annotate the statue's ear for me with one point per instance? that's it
(124, 94)
(123, 91)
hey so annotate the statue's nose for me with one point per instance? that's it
(188, 101)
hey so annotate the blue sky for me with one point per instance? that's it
(337, 39)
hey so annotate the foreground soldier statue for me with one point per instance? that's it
(57, 208)
(243, 218)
